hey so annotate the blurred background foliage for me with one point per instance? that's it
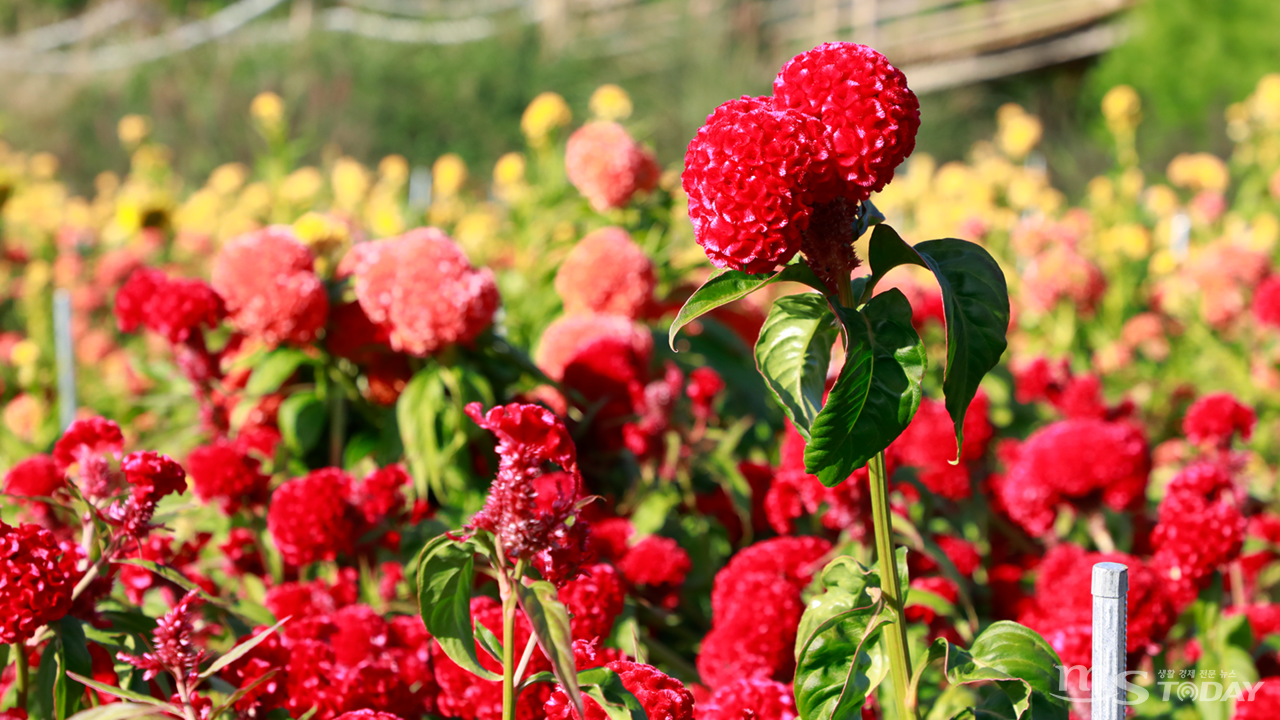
(370, 98)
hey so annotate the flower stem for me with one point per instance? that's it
(891, 585)
(509, 610)
(24, 674)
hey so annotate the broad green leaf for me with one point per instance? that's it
(4, 657)
(125, 694)
(118, 711)
(272, 372)
(833, 673)
(877, 393)
(931, 600)
(240, 650)
(975, 299)
(868, 216)
(793, 353)
(434, 427)
(489, 641)
(301, 418)
(728, 285)
(446, 570)
(1013, 657)
(550, 622)
(74, 656)
(40, 702)
(605, 687)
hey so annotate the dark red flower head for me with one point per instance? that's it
(174, 308)
(310, 517)
(36, 579)
(153, 476)
(37, 476)
(223, 472)
(763, 699)
(87, 437)
(663, 697)
(530, 437)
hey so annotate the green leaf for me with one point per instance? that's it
(833, 673)
(793, 354)
(727, 286)
(1013, 657)
(40, 701)
(240, 650)
(74, 656)
(125, 694)
(301, 418)
(975, 301)
(605, 687)
(239, 693)
(550, 623)
(489, 641)
(877, 393)
(277, 367)
(434, 428)
(868, 216)
(446, 571)
(931, 600)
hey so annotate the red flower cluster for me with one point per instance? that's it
(607, 165)
(153, 476)
(465, 696)
(1266, 301)
(1200, 528)
(662, 697)
(530, 436)
(223, 472)
(267, 281)
(606, 272)
(795, 492)
(756, 609)
(1215, 419)
(36, 477)
(840, 120)
(37, 576)
(1264, 704)
(172, 649)
(86, 444)
(750, 697)
(594, 599)
(1075, 461)
(323, 514)
(422, 290)
(928, 445)
(174, 308)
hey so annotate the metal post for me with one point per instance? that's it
(65, 357)
(1110, 638)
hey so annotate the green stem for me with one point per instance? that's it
(509, 610)
(891, 585)
(24, 674)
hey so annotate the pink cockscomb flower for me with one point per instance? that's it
(310, 517)
(606, 272)
(566, 337)
(173, 649)
(223, 472)
(553, 537)
(1266, 300)
(267, 281)
(870, 115)
(1215, 419)
(422, 288)
(37, 576)
(763, 699)
(607, 166)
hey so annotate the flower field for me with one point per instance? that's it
(587, 436)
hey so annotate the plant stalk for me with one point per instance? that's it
(23, 679)
(891, 585)
(509, 609)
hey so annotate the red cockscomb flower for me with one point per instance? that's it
(422, 288)
(367, 715)
(606, 272)
(1216, 418)
(87, 437)
(36, 477)
(565, 338)
(529, 436)
(1200, 529)
(1264, 702)
(153, 476)
(763, 699)
(870, 114)
(747, 175)
(221, 471)
(1266, 301)
(267, 281)
(36, 579)
(607, 165)
(663, 697)
(174, 308)
(310, 517)
(172, 648)
(595, 599)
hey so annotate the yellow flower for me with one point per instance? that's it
(1018, 132)
(1265, 232)
(1102, 192)
(199, 213)
(24, 353)
(1130, 239)
(544, 115)
(1163, 263)
(106, 183)
(508, 177)
(1122, 108)
(150, 158)
(1199, 171)
(301, 186)
(610, 102)
(1237, 116)
(23, 417)
(350, 183)
(475, 230)
(382, 214)
(449, 173)
(43, 166)
(133, 129)
(1161, 200)
(268, 110)
(394, 169)
(1266, 101)
(323, 233)
(1131, 181)
(254, 199)
(228, 178)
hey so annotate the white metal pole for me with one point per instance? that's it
(1110, 637)
(65, 357)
